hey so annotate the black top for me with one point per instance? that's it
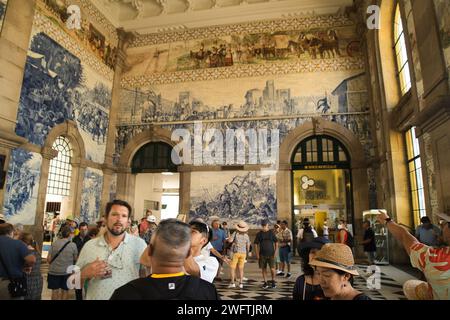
(174, 288)
(371, 246)
(79, 242)
(361, 296)
(266, 242)
(310, 292)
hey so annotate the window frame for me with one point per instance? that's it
(415, 176)
(403, 72)
(60, 168)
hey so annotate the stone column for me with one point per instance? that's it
(108, 166)
(185, 191)
(14, 41)
(284, 194)
(126, 185)
(37, 230)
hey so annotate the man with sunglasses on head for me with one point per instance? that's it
(168, 250)
(199, 263)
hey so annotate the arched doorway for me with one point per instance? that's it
(157, 181)
(321, 183)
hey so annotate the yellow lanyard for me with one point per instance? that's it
(167, 275)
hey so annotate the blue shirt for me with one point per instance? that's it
(218, 239)
(13, 253)
(428, 236)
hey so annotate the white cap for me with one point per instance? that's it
(151, 218)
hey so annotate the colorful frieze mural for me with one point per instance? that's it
(243, 49)
(233, 196)
(3, 4)
(22, 184)
(72, 19)
(57, 87)
(91, 195)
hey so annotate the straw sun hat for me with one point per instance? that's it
(417, 290)
(242, 226)
(335, 256)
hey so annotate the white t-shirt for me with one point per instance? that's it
(206, 250)
(208, 267)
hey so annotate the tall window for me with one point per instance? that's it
(60, 168)
(401, 54)
(415, 176)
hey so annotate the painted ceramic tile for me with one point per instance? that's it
(58, 87)
(91, 195)
(313, 93)
(22, 184)
(75, 22)
(242, 49)
(3, 4)
(316, 94)
(233, 196)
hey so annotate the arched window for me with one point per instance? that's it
(401, 53)
(415, 176)
(321, 150)
(60, 168)
(153, 157)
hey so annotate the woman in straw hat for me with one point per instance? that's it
(336, 268)
(240, 248)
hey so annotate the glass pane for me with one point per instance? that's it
(298, 157)
(421, 199)
(419, 179)
(412, 177)
(342, 156)
(309, 157)
(409, 144)
(415, 201)
(418, 163)
(314, 145)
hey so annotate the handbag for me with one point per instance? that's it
(17, 287)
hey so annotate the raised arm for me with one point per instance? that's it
(398, 232)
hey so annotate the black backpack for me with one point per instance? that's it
(350, 239)
(308, 235)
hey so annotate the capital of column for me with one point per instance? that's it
(48, 153)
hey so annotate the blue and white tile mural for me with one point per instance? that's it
(3, 4)
(234, 195)
(58, 87)
(22, 184)
(91, 195)
(339, 97)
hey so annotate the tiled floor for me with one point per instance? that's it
(391, 281)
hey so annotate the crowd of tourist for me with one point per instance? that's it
(118, 259)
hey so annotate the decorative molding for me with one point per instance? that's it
(10, 140)
(267, 26)
(230, 14)
(241, 71)
(43, 24)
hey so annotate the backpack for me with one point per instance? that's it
(308, 235)
(350, 240)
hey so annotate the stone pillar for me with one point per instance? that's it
(185, 191)
(38, 232)
(126, 185)
(76, 187)
(14, 41)
(108, 167)
(284, 194)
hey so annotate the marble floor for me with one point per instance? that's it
(390, 284)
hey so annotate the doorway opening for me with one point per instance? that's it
(157, 186)
(322, 189)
